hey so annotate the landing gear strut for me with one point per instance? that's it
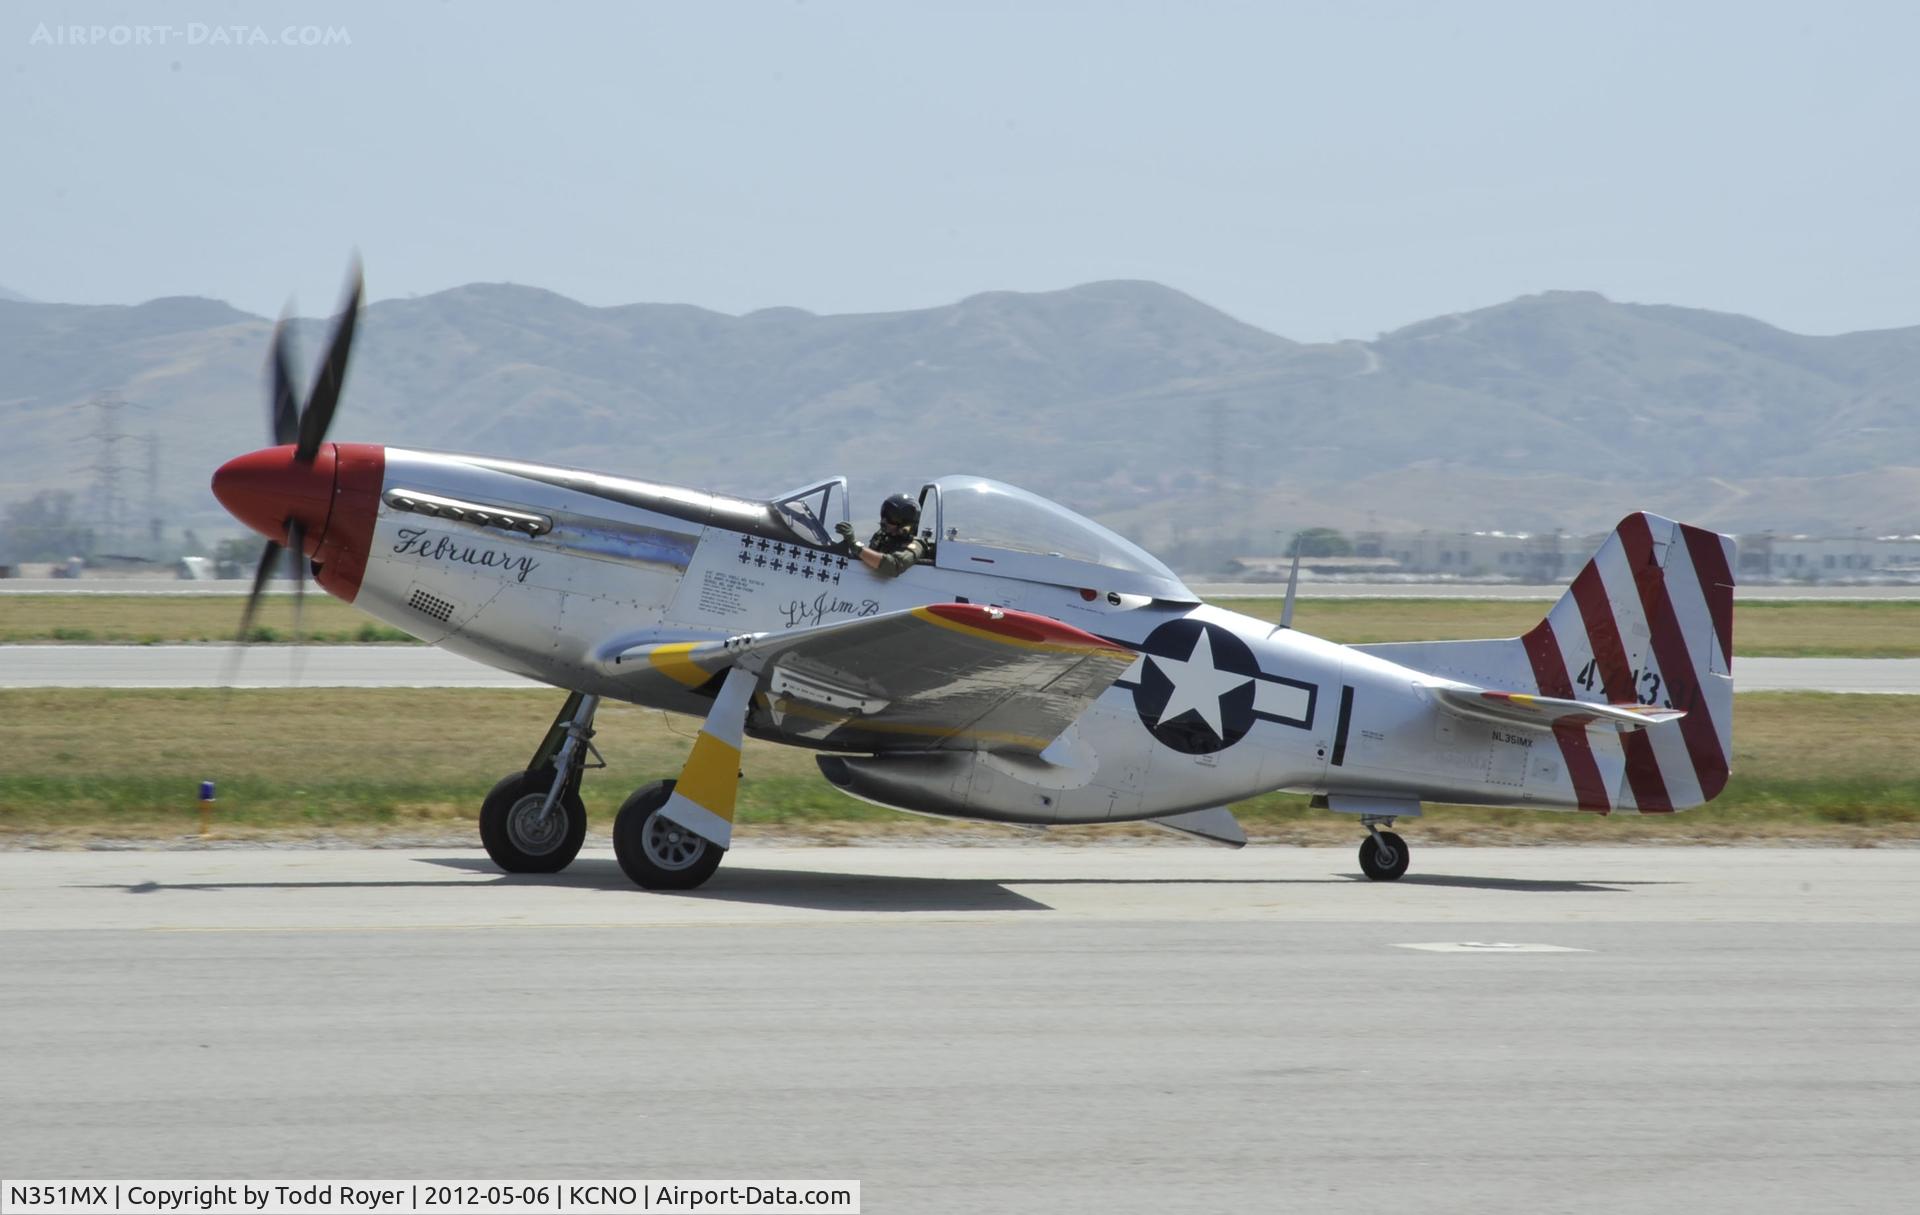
(534, 821)
(670, 835)
(673, 834)
(1383, 855)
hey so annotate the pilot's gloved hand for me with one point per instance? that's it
(849, 543)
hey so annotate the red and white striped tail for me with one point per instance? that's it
(1648, 621)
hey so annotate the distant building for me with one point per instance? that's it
(1830, 558)
(1275, 569)
(1517, 556)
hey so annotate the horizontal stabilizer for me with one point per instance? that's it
(1216, 825)
(1544, 712)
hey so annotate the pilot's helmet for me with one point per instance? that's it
(900, 510)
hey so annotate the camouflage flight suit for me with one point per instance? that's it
(898, 553)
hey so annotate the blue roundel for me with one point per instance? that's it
(1197, 684)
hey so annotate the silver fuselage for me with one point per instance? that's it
(619, 560)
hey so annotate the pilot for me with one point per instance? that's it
(894, 548)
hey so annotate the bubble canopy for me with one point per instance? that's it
(991, 526)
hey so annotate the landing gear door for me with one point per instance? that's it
(813, 512)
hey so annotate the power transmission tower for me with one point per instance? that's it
(1216, 446)
(155, 526)
(107, 504)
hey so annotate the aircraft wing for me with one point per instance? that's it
(1543, 712)
(948, 676)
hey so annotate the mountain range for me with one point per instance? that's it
(1130, 400)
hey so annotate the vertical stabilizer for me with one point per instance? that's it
(1648, 621)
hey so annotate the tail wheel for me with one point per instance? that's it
(1383, 856)
(517, 838)
(656, 852)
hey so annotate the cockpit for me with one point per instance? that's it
(990, 527)
(811, 513)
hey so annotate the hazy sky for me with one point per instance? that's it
(1323, 170)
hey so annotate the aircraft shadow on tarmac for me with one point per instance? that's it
(1523, 885)
(826, 891)
(739, 884)
(815, 891)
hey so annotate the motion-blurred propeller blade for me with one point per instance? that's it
(297, 570)
(261, 573)
(286, 410)
(306, 428)
(318, 415)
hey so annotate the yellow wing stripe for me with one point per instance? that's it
(1045, 647)
(672, 660)
(711, 778)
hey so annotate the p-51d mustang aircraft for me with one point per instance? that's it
(1036, 669)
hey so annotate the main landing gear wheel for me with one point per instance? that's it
(517, 838)
(657, 852)
(1383, 856)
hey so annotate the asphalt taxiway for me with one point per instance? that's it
(1032, 1028)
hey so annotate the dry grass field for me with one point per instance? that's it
(152, 619)
(1884, 629)
(80, 764)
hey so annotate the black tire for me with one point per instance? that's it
(515, 841)
(1383, 857)
(656, 853)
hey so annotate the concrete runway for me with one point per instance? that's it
(260, 666)
(1038, 1028)
(144, 586)
(389, 666)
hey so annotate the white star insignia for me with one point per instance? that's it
(1197, 685)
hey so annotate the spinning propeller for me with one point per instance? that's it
(282, 493)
